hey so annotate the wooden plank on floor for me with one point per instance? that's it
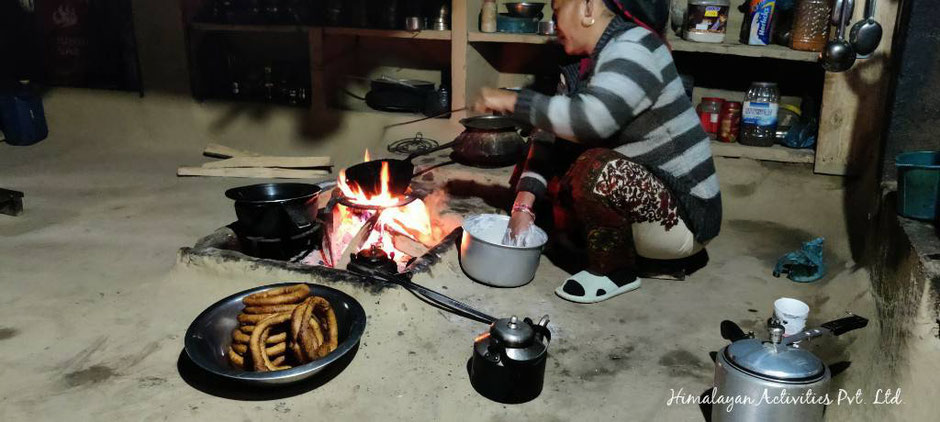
(259, 173)
(271, 161)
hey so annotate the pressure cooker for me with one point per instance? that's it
(774, 380)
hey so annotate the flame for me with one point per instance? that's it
(366, 157)
(411, 220)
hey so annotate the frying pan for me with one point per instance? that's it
(487, 142)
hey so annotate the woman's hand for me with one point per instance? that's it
(520, 221)
(498, 101)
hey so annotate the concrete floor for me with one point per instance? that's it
(95, 304)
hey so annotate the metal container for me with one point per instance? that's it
(525, 9)
(485, 259)
(547, 28)
(415, 23)
(489, 141)
(508, 363)
(748, 370)
(210, 334)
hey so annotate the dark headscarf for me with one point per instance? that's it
(650, 14)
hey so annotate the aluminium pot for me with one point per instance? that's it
(275, 210)
(773, 380)
(485, 259)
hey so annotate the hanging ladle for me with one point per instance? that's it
(866, 33)
(839, 56)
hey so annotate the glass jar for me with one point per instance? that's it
(729, 121)
(811, 25)
(759, 114)
(708, 111)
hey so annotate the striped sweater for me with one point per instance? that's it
(633, 102)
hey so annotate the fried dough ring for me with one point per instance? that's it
(275, 350)
(239, 337)
(311, 339)
(247, 329)
(279, 360)
(301, 314)
(328, 317)
(236, 359)
(252, 319)
(278, 296)
(269, 309)
(256, 345)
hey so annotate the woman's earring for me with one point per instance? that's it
(587, 21)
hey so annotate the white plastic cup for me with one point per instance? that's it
(792, 313)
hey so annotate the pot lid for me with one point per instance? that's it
(513, 332)
(775, 361)
(489, 122)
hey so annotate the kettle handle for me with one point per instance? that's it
(844, 325)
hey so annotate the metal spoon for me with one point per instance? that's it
(866, 34)
(838, 56)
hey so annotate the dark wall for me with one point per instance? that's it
(18, 49)
(914, 110)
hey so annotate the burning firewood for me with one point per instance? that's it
(408, 245)
(357, 241)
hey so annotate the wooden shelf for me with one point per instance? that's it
(225, 27)
(777, 153)
(389, 33)
(735, 48)
(505, 37)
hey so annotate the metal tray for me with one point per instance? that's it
(210, 334)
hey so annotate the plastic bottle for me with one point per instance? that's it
(759, 115)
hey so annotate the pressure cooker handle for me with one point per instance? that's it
(731, 331)
(844, 325)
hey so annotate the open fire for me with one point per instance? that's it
(402, 226)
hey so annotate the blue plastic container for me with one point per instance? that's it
(22, 118)
(918, 184)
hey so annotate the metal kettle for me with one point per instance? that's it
(774, 380)
(508, 363)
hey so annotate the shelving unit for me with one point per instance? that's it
(224, 27)
(385, 33)
(501, 37)
(479, 59)
(734, 48)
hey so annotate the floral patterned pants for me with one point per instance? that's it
(605, 199)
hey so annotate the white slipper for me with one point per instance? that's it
(585, 287)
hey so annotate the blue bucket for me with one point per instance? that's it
(918, 184)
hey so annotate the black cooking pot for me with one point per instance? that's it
(275, 210)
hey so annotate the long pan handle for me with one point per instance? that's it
(438, 298)
(430, 151)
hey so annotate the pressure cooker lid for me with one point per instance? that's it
(775, 361)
